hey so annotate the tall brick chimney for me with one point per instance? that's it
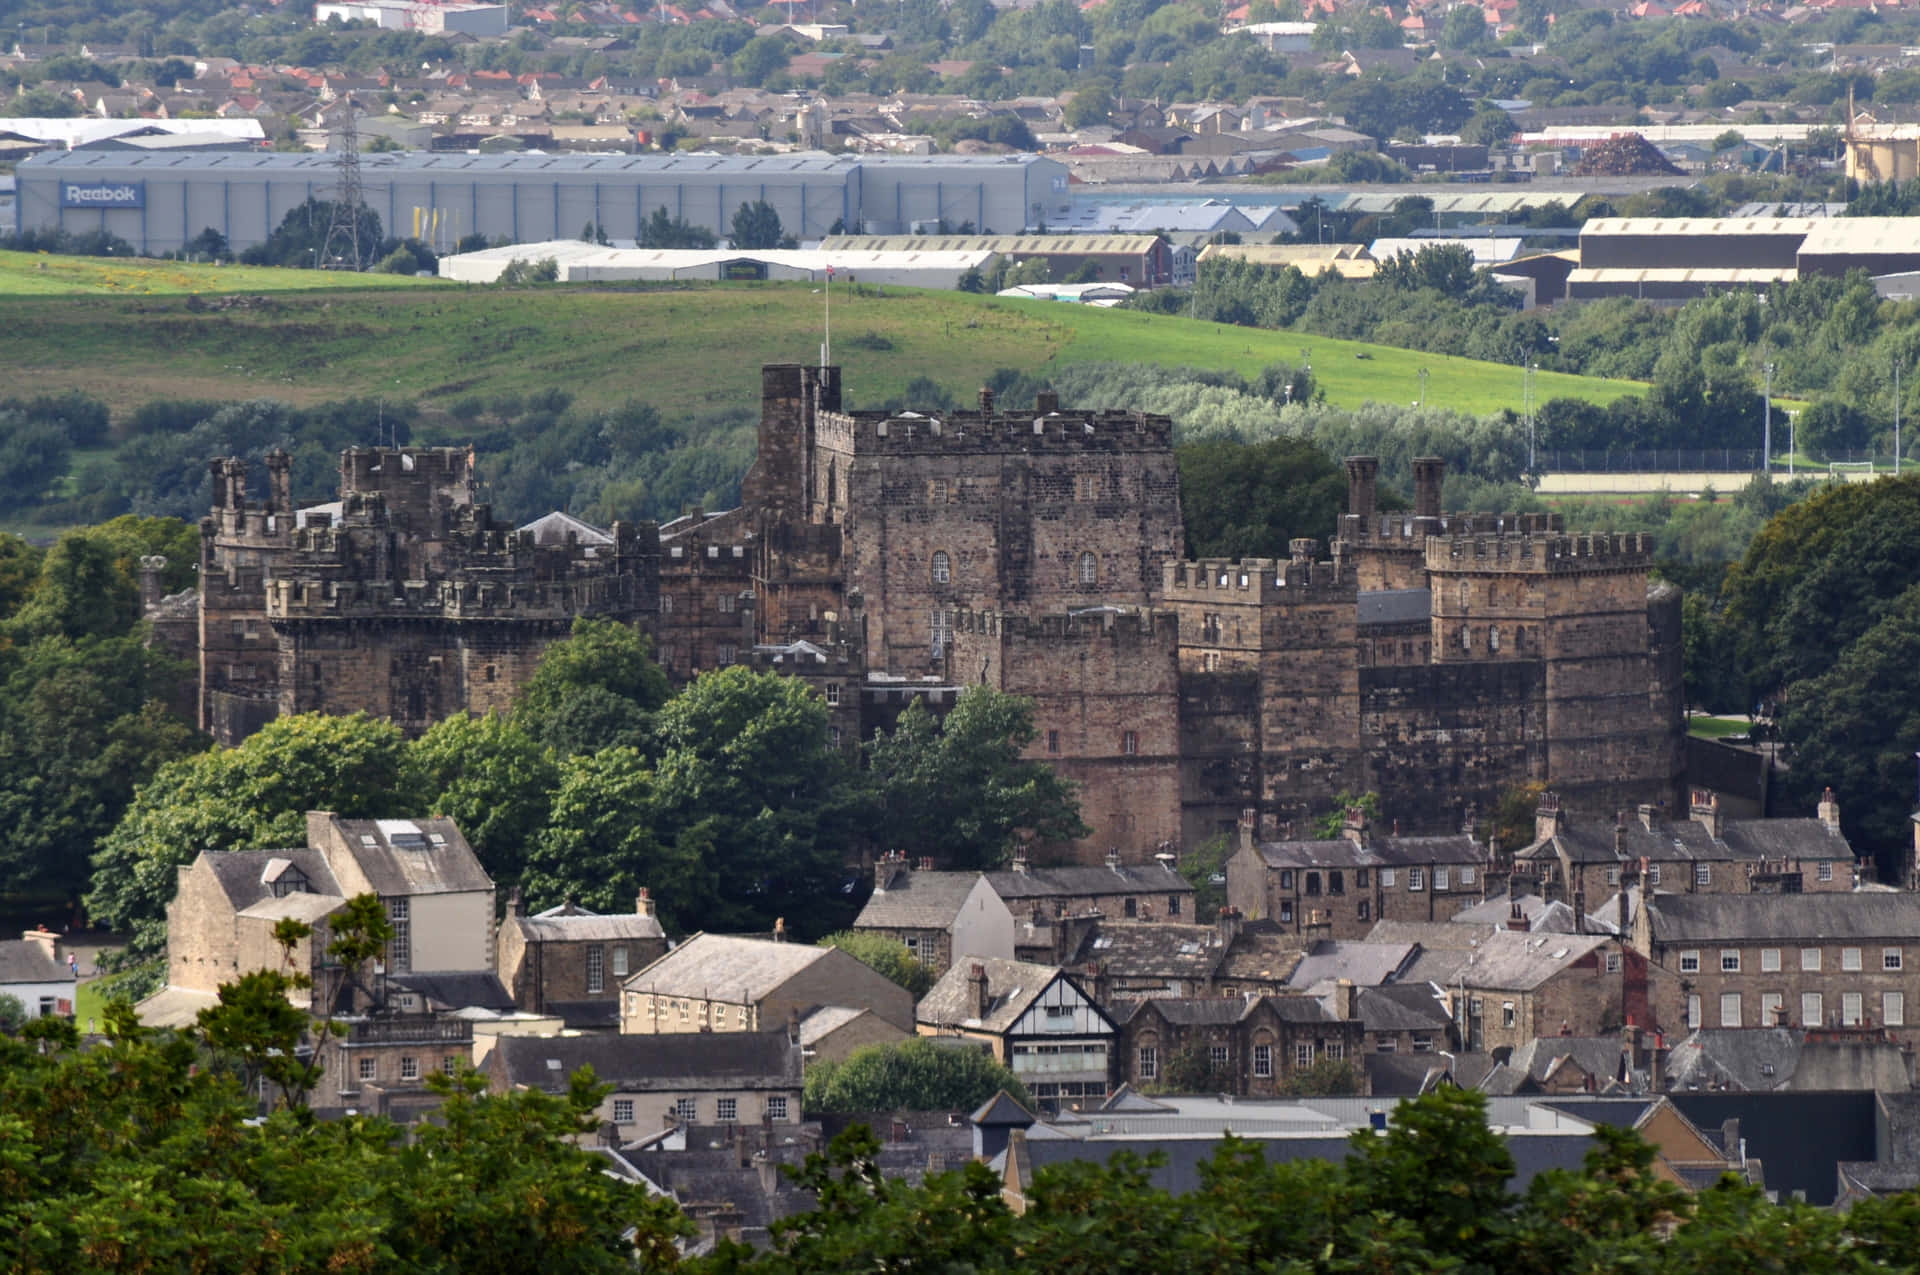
(978, 996)
(1704, 809)
(1829, 811)
(1547, 817)
(1429, 472)
(643, 906)
(1363, 474)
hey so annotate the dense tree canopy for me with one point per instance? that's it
(888, 956)
(917, 1074)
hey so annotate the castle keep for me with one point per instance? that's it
(1436, 659)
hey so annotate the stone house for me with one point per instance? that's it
(569, 962)
(832, 1032)
(1509, 987)
(1119, 892)
(1249, 1046)
(712, 1078)
(1036, 1019)
(220, 923)
(941, 917)
(721, 983)
(1399, 1018)
(1811, 960)
(35, 972)
(1341, 887)
(1707, 853)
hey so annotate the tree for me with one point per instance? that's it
(236, 799)
(13, 1014)
(1510, 825)
(597, 688)
(1327, 1078)
(1250, 500)
(1092, 104)
(1465, 28)
(960, 789)
(917, 1074)
(756, 225)
(1205, 869)
(1489, 126)
(301, 238)
(1333, 820)
(492, 778)
(889, 957)
(1440, 1167)
(600, 846)
(662, 231)
(758, 60)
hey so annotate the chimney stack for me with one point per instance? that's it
(885, 865)
(1113, 859)
(1830, 812)
(643, 906)
(1517, 918)
(1226, 925)
(1363, 475)
(977, 982)
(1343, 1000)
(986, 401)
(1546, 817)
(1704, 809)
(1646, 817)
(1579, 911)
(515, 906)
(153, 586)
(1046, 401)
(1429, 472)
(45, 938)
(1020, 859)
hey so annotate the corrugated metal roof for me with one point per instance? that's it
(1863, 235)
(426, 162)
(1725, 277)
(1672, 227)
(1069, 244)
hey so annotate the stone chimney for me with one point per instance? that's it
(1829, 811)
(1547, 817)
(1363, 485)
(643, 906)
(1517, 918)
(1356, 825)
(153, 584)
(45, 938)
(1704, 809)
(515, 905)
(1046, 401)
(1319, 926)
(986, 401)
(1619, 834)
(978, 999)
(1020, 860)
(1301, 548)
(793, 1024)
(1646, 817)
(1226, 926)
(886, 865)
(1113, 859)
(1579, 911)
(1429, 473)
(1343, 1000)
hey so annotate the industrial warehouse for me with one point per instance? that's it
(158, 202)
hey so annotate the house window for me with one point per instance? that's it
(1508, 1015)
(450, 1065)
(1693, 1013)
(619, 962)
(1769, 960)
(1359, 878)
(1089, 570)
(1053, 741)
(666, 604)
(1826, 872)
(1653, 874)
(723, 653)
(400, 946)
(1129, 743)
(1466, 876)
(1613, 962)
(1729, 1009)
(942, 568)
(1313, 883)
(686, 1110)
(623, 1111)
(1890, 958)
(1702, 874)
(1217, 1056)
(1770, 1003)
(1423, 1042)
(1416, 878)
(1286, 878)
(833, 694)
(912, 942)
(1689, 962)
(1613, 876)
(1131, 907)
(726, 1110)
(369, 1068)
(777, 1107)
(1385, 1043)
(726, 604)
(1893, 1009)
(1851, 1007)
(1729, 960)
(1849, 958)
(1366, 910)
(1439, 878)
(1386, 878)
(1812, 1012)
(1263, 1059)
(1333, 1050)
(1149, 1062)
(409, 1069)
(1303, 1054)
(596, 970)
(1810, 960)
(1173, 905)
(1286, 911)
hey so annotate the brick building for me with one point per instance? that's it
(569, 962)
(1246, 1047)
(1808, 960)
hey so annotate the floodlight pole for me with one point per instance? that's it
(1766, 437)
(1896, 418)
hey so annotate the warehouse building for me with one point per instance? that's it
(159, 202)
(411, 15)
(1142, 260)
(580, 262)
(1676, 258)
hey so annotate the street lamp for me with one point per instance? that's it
(1766, 436)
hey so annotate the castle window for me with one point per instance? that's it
(1089, 570)
(942, 568)
(666, 604)
(1493, 638)
(1466, 637)
(409, 1069)
(1086, 486)
(596, 970)
(726, 604)
(1053, 741)
(724, 652)
(941, 630)
(1465, 594)
(1520, 637)
(936, 491)
(492, 672)
(1129, 743)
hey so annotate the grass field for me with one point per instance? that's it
(1718, 727)
(683, 349)
(31, 274)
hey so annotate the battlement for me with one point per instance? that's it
(1261, 581)
(1621, 551)
(445, 469)
(507, 596)
(990, 432)
(1407, 530)
(1116, 622)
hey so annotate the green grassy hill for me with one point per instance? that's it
(685, 348)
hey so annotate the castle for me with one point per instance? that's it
(885, 557)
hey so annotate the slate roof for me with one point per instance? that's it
(1401, 1007)
(1002, 1110)
(1374, 851)
(240, 873)
(1555, 917)
(1395, 606)
(455, 989)
(1012, 987)
(1454, 848)
(1755, 1060)
(723, 966)
(1366, 963)
(917, 901)
(557, 528)
(1151, 950)
(1073, 883)
(1826, 918)
(1492, 959)
(1261, 952)
(1402, 1075)
(1688, 841)
(27, 961)
(1539, 1060)
(574, 924)
(680, 1060)
(401, 856)
(1337, 852)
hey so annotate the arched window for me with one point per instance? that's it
(1493, 638)
(942, 568)
(1466, 637)
(1089, 569)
